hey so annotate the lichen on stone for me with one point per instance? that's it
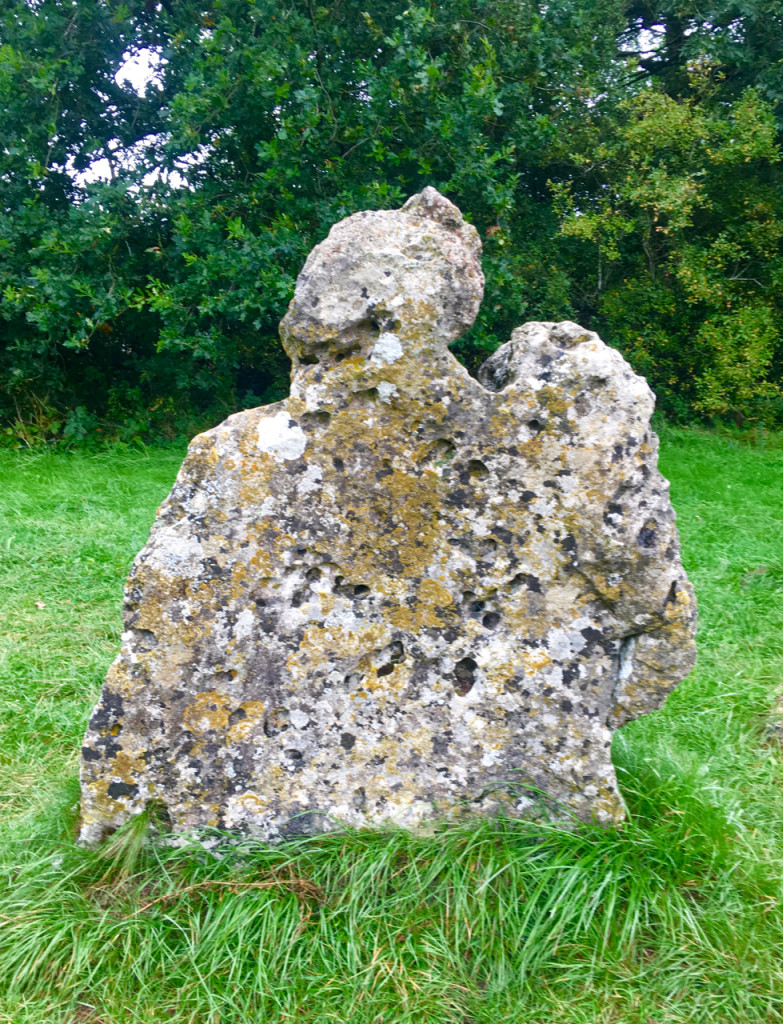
(402, 594)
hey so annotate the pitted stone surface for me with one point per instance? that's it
(402, 594)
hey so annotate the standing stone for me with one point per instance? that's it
(401, 594)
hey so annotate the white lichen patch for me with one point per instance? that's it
(387, 349)
(281, 437)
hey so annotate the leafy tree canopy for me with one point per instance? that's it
(621, 161)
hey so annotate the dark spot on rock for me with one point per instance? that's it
(88, 754)
(299, 597)
(569, 543)
(276, 721)
(504, 536)
(459, 498)
(464, 676)
(591, 634)
(359, 799)
(109, 710)
(338, 464)
(365, 294)
(527, 496)
(347, 741)
(617, 453)
(525, 579)
(385, 670)
(318, 418)
(442, 741)
(118, 789)
(295, 755)
(646, 538)
(491, 620)
(566, 705)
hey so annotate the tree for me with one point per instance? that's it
(150, 300)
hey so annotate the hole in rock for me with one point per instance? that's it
(346, 353)
(147, 638)
(295, 755)
(353, 679)
(464, 676)
(441, 452)
(491, 620)
(525, 579)
(396, 652)
(536, 426)
(237, 715)
(319, 418)
(313, 574)
(477, 469)
(276, 721)
(308, 359)
(368, 396)
(361, 590)
(299, 598)
(338, 464)
(385, 670)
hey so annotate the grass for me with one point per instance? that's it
(672, 918)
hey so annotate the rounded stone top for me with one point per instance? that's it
(414, 272)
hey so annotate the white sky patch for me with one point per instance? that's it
(141, 70)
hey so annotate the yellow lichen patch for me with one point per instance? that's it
(318, 645)
(498, 675)
(434, 606)
(208, 712)
(248, 803)
(254, 711)
(127, 766)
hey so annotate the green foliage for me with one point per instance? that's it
(151, 299)
(672, 917)
(677, 195)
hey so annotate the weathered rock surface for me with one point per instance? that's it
(401, 594)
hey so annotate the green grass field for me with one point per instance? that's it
(673, 917)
